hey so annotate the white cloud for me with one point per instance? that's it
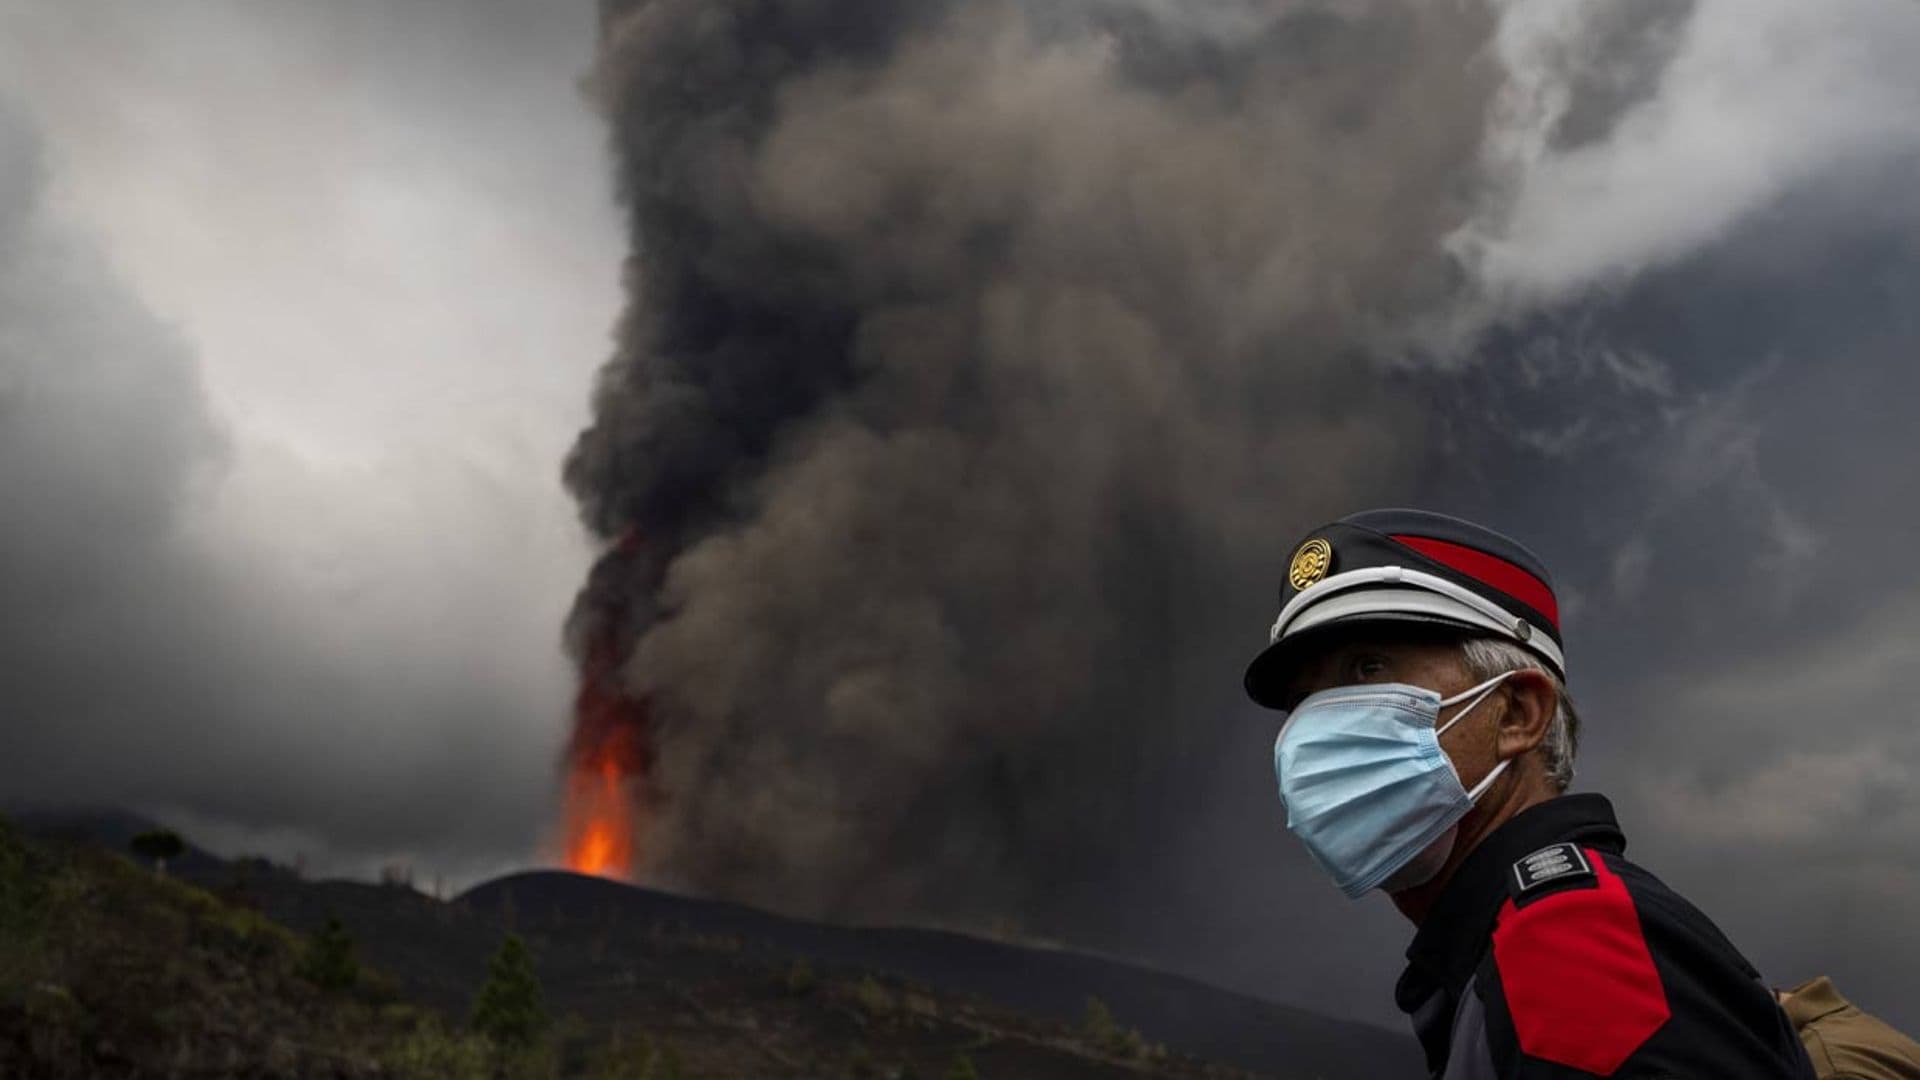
(1759, 96)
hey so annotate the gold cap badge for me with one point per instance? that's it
(1310, 563)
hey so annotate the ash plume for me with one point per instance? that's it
(978, 357)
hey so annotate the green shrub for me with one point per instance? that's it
(507, 1010)
(329, 962)
(24, 913)
(1106, 1033)
(1100, 1026)
(431, 1052)
(873, 997)
(1134, 1045)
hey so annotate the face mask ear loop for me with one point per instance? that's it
(1480, 788)
(1484, 688)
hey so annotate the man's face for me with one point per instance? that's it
(1380, 656)
(1430, 661)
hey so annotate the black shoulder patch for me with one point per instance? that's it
(1549, 870)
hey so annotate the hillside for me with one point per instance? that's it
(634, 980)
(110, 970)
(596, 928)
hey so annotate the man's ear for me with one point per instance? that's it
(1531, 702)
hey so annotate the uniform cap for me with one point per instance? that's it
(1407, 567)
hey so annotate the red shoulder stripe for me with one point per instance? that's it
(1579, 979)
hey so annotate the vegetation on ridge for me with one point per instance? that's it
(109, 969)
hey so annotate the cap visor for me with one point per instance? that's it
(1267, 676)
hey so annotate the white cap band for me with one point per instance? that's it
(1397, 590)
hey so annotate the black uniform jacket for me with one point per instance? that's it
(1550, 955)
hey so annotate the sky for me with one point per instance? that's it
(301, 309)
(304, 309)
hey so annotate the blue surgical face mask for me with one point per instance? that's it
(1366, 786)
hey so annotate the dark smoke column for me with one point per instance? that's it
(975, 353)
(708, 369)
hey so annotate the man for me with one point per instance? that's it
(1427, 748)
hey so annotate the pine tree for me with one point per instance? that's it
(329, 962)
(507, 1010)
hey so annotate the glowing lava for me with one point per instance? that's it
(606, 763)
(601, 811)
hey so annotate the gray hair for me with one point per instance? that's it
(1486, 657)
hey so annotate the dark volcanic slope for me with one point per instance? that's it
(721, 983)
(1187, 1016)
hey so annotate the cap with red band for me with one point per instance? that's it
(1407, 566)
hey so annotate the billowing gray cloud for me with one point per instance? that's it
(969, 356)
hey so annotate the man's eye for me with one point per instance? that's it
(1368, 667)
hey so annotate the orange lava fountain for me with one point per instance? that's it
(606, 771)
(601, 811)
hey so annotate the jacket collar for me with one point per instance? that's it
(1454, 937)
(1812, 1000)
